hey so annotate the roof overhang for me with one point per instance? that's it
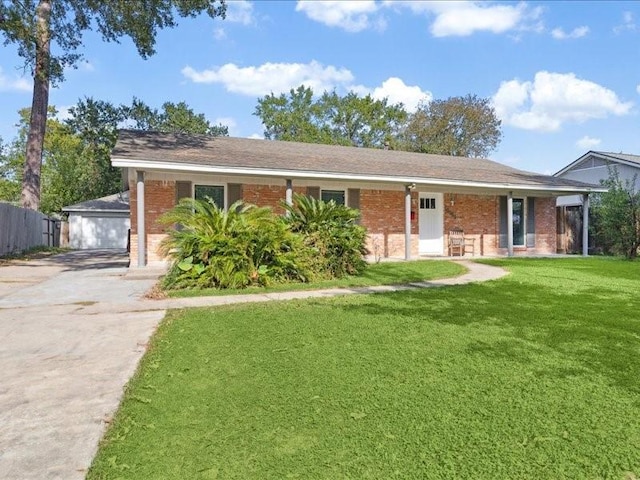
(142, 165)
(602, 156)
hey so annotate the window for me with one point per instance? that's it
(428, 203)
(524, 224)
(215, 192)
(335, 195)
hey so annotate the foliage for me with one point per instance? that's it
(461, 126)
(528, 377)
(383, 273)
(244, 245)
(330, 119)
(331, 230)
(40, 27)
(174, 118)
(77, 151)
(616, 216)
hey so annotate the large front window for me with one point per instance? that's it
(335, 195)
(214, 192)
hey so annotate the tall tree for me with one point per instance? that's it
(330, 119)
(34, 25)
(360, 121)
(292, 117)
(462, 126)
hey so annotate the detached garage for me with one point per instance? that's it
(100, 223)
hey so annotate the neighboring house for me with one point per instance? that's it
(408, 201)
(592, 167)
(100, 223)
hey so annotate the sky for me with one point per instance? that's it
(563, 77)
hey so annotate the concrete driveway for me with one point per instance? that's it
(71, 335)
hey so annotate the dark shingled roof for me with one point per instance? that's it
(626, 157)
(206, 151)
(118, 202)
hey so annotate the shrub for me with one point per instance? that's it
(245, 245)
(331, 230)
(616, 216)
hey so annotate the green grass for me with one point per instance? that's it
(534, 376)
(386, 273)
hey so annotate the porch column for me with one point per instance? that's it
(142, 235)
(407, 222)
(288, 198)
(585, 224)
(510, 224)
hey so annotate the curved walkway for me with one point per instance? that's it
(476, 272)
(73, 328)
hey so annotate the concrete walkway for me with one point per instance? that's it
(72, 330)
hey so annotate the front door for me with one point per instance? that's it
(431, 223)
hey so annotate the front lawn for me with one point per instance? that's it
(534, 376)
(386, 273)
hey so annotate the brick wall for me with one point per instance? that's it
(160, 197)
(265, 196)
(383, 215)
(546, 238)
(477, 215)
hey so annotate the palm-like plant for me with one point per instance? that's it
(213, 247)
(332, 230)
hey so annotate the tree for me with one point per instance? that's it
(291, 118)
(461, 126)
(34, 25)
(360, 121)
(174, 118)
(616, 216)
(330, 119)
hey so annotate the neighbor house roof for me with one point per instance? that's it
(244, 156)
(610, 157)
(118, 202)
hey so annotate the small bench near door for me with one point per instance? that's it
(461, 244)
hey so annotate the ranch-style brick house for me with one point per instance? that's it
(409, 202)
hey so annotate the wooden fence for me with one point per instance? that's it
(22, 229)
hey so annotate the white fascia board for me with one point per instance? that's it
(266, 172)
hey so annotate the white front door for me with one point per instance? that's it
(431, 223)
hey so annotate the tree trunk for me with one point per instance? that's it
(38, 121)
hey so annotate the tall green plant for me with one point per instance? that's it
(332, 231)
(616, 215)
(241, 246)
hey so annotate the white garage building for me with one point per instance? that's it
(100, 223)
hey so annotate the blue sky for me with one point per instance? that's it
(564, 77)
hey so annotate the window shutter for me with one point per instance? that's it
(183, 190)
(353, 200)
(503, 237)
(313, 192)
(531, 222)
(234, 193)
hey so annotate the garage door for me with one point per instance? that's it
(98, 232)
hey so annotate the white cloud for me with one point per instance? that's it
(272, 77)
(63, 112)
(560, 34)
(219, 33)
(240, 11)
(15, 83)
(628, 23)
(352, 16)
(587, 143)
(396, 91)
(553, 99)
(256, 136)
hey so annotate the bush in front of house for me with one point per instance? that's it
(245, 245)
(332, 231)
